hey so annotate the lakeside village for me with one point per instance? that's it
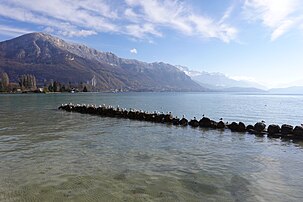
(27, 84)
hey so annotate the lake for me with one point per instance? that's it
(52, 155)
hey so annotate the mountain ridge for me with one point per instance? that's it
(50, 57)
(219, 81)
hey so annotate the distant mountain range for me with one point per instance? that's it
(51, 58)
(220, 82)
(288, 90)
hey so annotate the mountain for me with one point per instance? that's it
(51, 58)
(288, 90)
(220, 82)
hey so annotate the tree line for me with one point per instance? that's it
(28, 83)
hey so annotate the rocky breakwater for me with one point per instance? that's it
(259, 129)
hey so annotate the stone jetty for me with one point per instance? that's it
(259, 129)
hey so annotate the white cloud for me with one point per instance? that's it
(63, 16)
(176, 15)
(278, 15)
(13, 31)
(227, 13)
(133, 51)
(140, 31)
(129, 13)
(136, 18)
(281, 29)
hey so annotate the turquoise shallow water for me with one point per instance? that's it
(52, 155)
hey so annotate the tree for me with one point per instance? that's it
(63, 89)
(50, 87)
(28, 82)
(4, 82)
(55, 86)
(5, 79)
(85, 89)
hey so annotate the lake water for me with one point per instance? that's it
(52, 155)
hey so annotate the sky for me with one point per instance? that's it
(256, 40)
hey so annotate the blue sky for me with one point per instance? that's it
(258, 40)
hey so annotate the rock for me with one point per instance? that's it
(237, 127)
(221, 125)
(286, 132)
(159, 118)
(213, 124)
(167, 118)
(183, 122)
(205, 122)
(251, 131)
(233, 126)
(298, 132)
(249, 127)
(274, 135)
(259, 127)
(241, 127)
(193, 123)
(176, 121)
(260, 134)
(273, 129)
(286, 129)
